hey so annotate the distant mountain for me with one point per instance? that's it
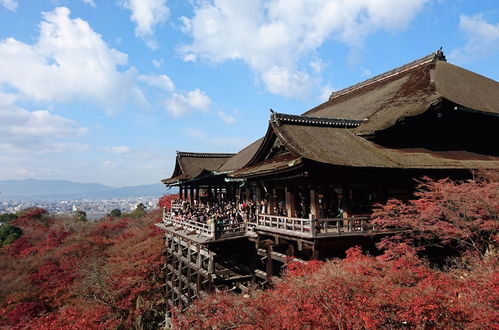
(30, 189)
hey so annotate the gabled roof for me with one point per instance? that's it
(330, 142)
(242, 158)
(341, 147)
(408, 91)
(283, 162)
(190, 165)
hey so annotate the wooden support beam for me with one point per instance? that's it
(191, 195)
(269, 263)
(314, 205)
(189, 291)
(198, 269)
(290, 201)
(258, 199)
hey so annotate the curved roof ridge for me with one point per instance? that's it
(279, 118)
(438, 55)
(204, 154)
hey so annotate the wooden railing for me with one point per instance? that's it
(288, 225)
(343, 225)
(209, 229)
(176, 206)
(200, 228)
(313, 228)
(306, 228)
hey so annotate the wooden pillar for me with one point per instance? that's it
(290, 201)
(314, 205)
(272, 201)
(191, 195)
(196, 194)
(347, 201)
(185, 194)
(198, 270)
(210, 193)
(189, 290)
(269, 267)
(180, 191)
(211, 270)
(258, 199)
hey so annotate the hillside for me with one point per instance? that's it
(30, 189)
(63, 273)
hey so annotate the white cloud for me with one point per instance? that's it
(35, 131)
(228, 119)
(326, 93)
(89, 2)
(119, 150)
(161, 81)
(366, 73)
(146, 14)
(108, 163)
(483, 39)
(157, 63)
(9, 4)
(196, 133)
(277, 38)
(180, 104)
(68, 61)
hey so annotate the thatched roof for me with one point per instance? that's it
(242, 158)
(331, 133)
(409, 91)
(283, 162)
(190, 165)
(341, 147)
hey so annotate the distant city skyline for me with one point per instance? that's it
(107, 91)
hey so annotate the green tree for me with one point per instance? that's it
(140, 210)
(7, 218)
(81, 216)
(116, 213)
(9, 234)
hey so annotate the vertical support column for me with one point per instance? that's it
(211, 270)
(191, 195)
(314, 206)
(198, 270)
(258, 199)
(290, 201)
(314, 211)
(189, 280)
(180, 191)
(196, 194)
(185, 194)
(272, 201)
(269, 267)
(238, 195)
(210, 193)
(347, 201)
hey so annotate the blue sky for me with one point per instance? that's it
(106, 91)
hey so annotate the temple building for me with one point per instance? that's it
(315, 177)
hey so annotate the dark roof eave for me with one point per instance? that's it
(269, 172)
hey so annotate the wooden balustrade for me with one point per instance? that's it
(344, 225)
(307, 228)
(282, 224)
(208, 229)
(313, 228)
(176, 206)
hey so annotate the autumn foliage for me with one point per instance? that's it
(398, 288)
(64, 273)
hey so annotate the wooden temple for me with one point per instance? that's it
(315, 177)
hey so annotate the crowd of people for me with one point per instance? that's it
(217, 212)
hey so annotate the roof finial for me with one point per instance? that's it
(439, 55)
(272, 110)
